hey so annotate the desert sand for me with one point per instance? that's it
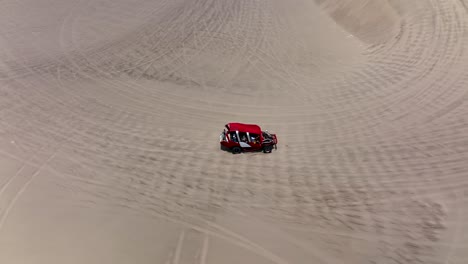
(110, 114)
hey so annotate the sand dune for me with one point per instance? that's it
(110, 113)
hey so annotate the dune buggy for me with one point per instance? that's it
(239, 137)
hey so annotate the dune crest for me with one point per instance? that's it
(372, 21)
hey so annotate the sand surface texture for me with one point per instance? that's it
(110, 114)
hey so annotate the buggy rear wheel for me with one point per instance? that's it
(236, 150)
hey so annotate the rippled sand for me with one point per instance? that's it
(110, 113)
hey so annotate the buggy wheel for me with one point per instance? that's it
(267, 149)
(236, 150)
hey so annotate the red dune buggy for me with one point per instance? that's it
(238, 137)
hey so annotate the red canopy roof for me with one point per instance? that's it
(251, 128)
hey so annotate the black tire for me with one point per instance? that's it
(236, 150)
(267, 149)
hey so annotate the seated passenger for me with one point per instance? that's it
(233, 137)
(243, 138)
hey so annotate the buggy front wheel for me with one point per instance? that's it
(267, 149)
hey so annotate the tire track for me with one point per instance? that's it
(24, 186)
(371, 151)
